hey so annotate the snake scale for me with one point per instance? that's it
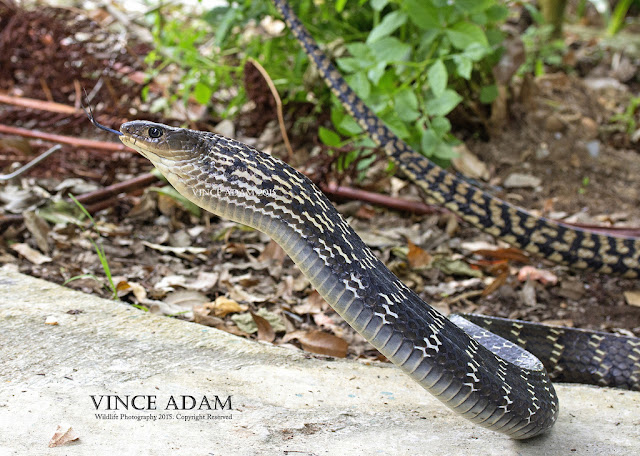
(481, 376)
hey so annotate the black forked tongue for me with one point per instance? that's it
(89, 113)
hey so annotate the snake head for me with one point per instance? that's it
(159, 142)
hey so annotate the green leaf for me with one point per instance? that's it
(444, 151)
(350, 64)
(389, 24)
(488, 93)
(390, 49)
(378, 5)
(361, 51)
(440, 126)
(475, 51)
(376, 73)
(348, 126)
(360, 84)
(340, 4)
(429, 141)
(463, 34)
(497, 13)
(406, 104)
(329, 137)
(438, 77)
(423, 14)
(473, 6)
(202, 93)
(464, 65)
(444, 104)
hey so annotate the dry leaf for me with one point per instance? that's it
(186, 299)
(366, 212)
(124, 287)
(265, 331)
(632, 298)
(202, 315)
(510, 253)
(39, 228)
(247, 324)
(30, 254)
(222, 306)
(205, 281)
(418, 257)
(497, 283)
(323, 343)
(314, 304)
(274, 252)
(63, 435)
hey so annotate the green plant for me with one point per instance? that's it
(542, 49)
(627, 118)
(583, 186)
(412, 61)
(616, 22)
(101, 255)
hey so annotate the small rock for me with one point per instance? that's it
(605, 83)
(518, 180)
(593, 147)
(589, 128)
(554, 124)
(50, 320)
(542, 151)
(469, 164)
(226, 128)
(632, 298)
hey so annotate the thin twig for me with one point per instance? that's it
(276, 97)
(38, 104)
(415, 207)
(78, 142)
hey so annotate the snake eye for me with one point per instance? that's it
(155, 132)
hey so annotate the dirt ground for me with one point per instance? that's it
(166, 259)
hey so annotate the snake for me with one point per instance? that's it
(482, 376)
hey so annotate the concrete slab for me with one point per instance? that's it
(282, 401)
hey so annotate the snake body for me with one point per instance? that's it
(544, 238)
(483, 377)
(510, 394)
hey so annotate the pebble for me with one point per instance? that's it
(519, 180)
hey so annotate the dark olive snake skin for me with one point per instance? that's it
(485, 378)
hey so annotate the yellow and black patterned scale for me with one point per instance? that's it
(483, 377)
(560, 243)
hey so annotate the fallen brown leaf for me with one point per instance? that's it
(274, 252)
(63, 435)
(30, 254)
(265, 331)
(322, 343)
(223, 306)
(418, 257)
(510, 253)
(497, 283)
